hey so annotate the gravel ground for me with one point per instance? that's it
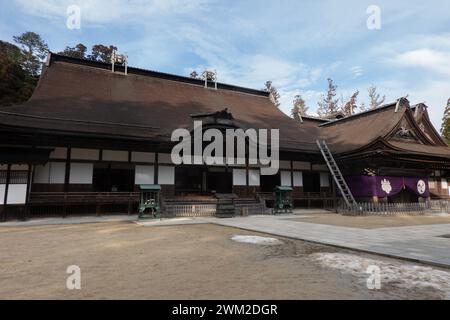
(128, 261)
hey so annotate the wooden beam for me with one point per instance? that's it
(5, 200)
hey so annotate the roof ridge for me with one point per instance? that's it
(156, 74)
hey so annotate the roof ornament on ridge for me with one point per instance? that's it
(121, 59)
(401, 101)
(210, 76)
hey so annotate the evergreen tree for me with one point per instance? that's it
(79, 51)
(194, 75)
(275, 96)
(16, 83)
(102, 53)
(329, 104)
(445, 130)
(34, 51)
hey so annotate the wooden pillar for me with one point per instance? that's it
(5, 200)
(156, 168)
(292, 174)
(333, 186)
(67, 174)
(27, 198)
(67, 179)
(247, 178)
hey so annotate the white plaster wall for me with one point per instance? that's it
(239, 177)
(254, 178)
(444, 184)
(298, 179)
(57, 172)
(144, 175)
(81, 173)
(286, 178)
(324, 180)
(42, 174)
(17, 194)
(166, 175)
(2, 194)
(52, 172)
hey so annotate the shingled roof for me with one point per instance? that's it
(86, 97)
(354, 133)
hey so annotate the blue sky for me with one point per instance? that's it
(296, 44)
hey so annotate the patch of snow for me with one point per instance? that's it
(401, 275)
(265, 241)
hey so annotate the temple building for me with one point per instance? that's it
(89, 137)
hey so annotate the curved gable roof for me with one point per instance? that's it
(87, 97)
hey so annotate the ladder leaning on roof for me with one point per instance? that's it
(336, 173)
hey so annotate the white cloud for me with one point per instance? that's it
(428, 59)
(104, 11)
(357, 71)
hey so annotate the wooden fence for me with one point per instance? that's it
(209, 210)
(419, 208)
(190, 210)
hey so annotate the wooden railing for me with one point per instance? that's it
(299, 195)
(59, 198)
(417, 208)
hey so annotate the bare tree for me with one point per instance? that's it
(375, 99)
(350, 106)
(274, 95)
(328, 105)
(299, 108)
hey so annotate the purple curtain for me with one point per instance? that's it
(385, 186)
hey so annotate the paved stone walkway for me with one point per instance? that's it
(417, 243)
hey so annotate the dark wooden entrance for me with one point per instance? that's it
(195, 180)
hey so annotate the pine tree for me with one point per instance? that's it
(79, 51)
(299, 108)
(34, 51)
(102, 53)
(329, 104)
(194, 75)
(16, 83)
(375, 99)
(275, 96)
(445, 130)
(350, 106)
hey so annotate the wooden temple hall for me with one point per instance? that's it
(89, 137)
